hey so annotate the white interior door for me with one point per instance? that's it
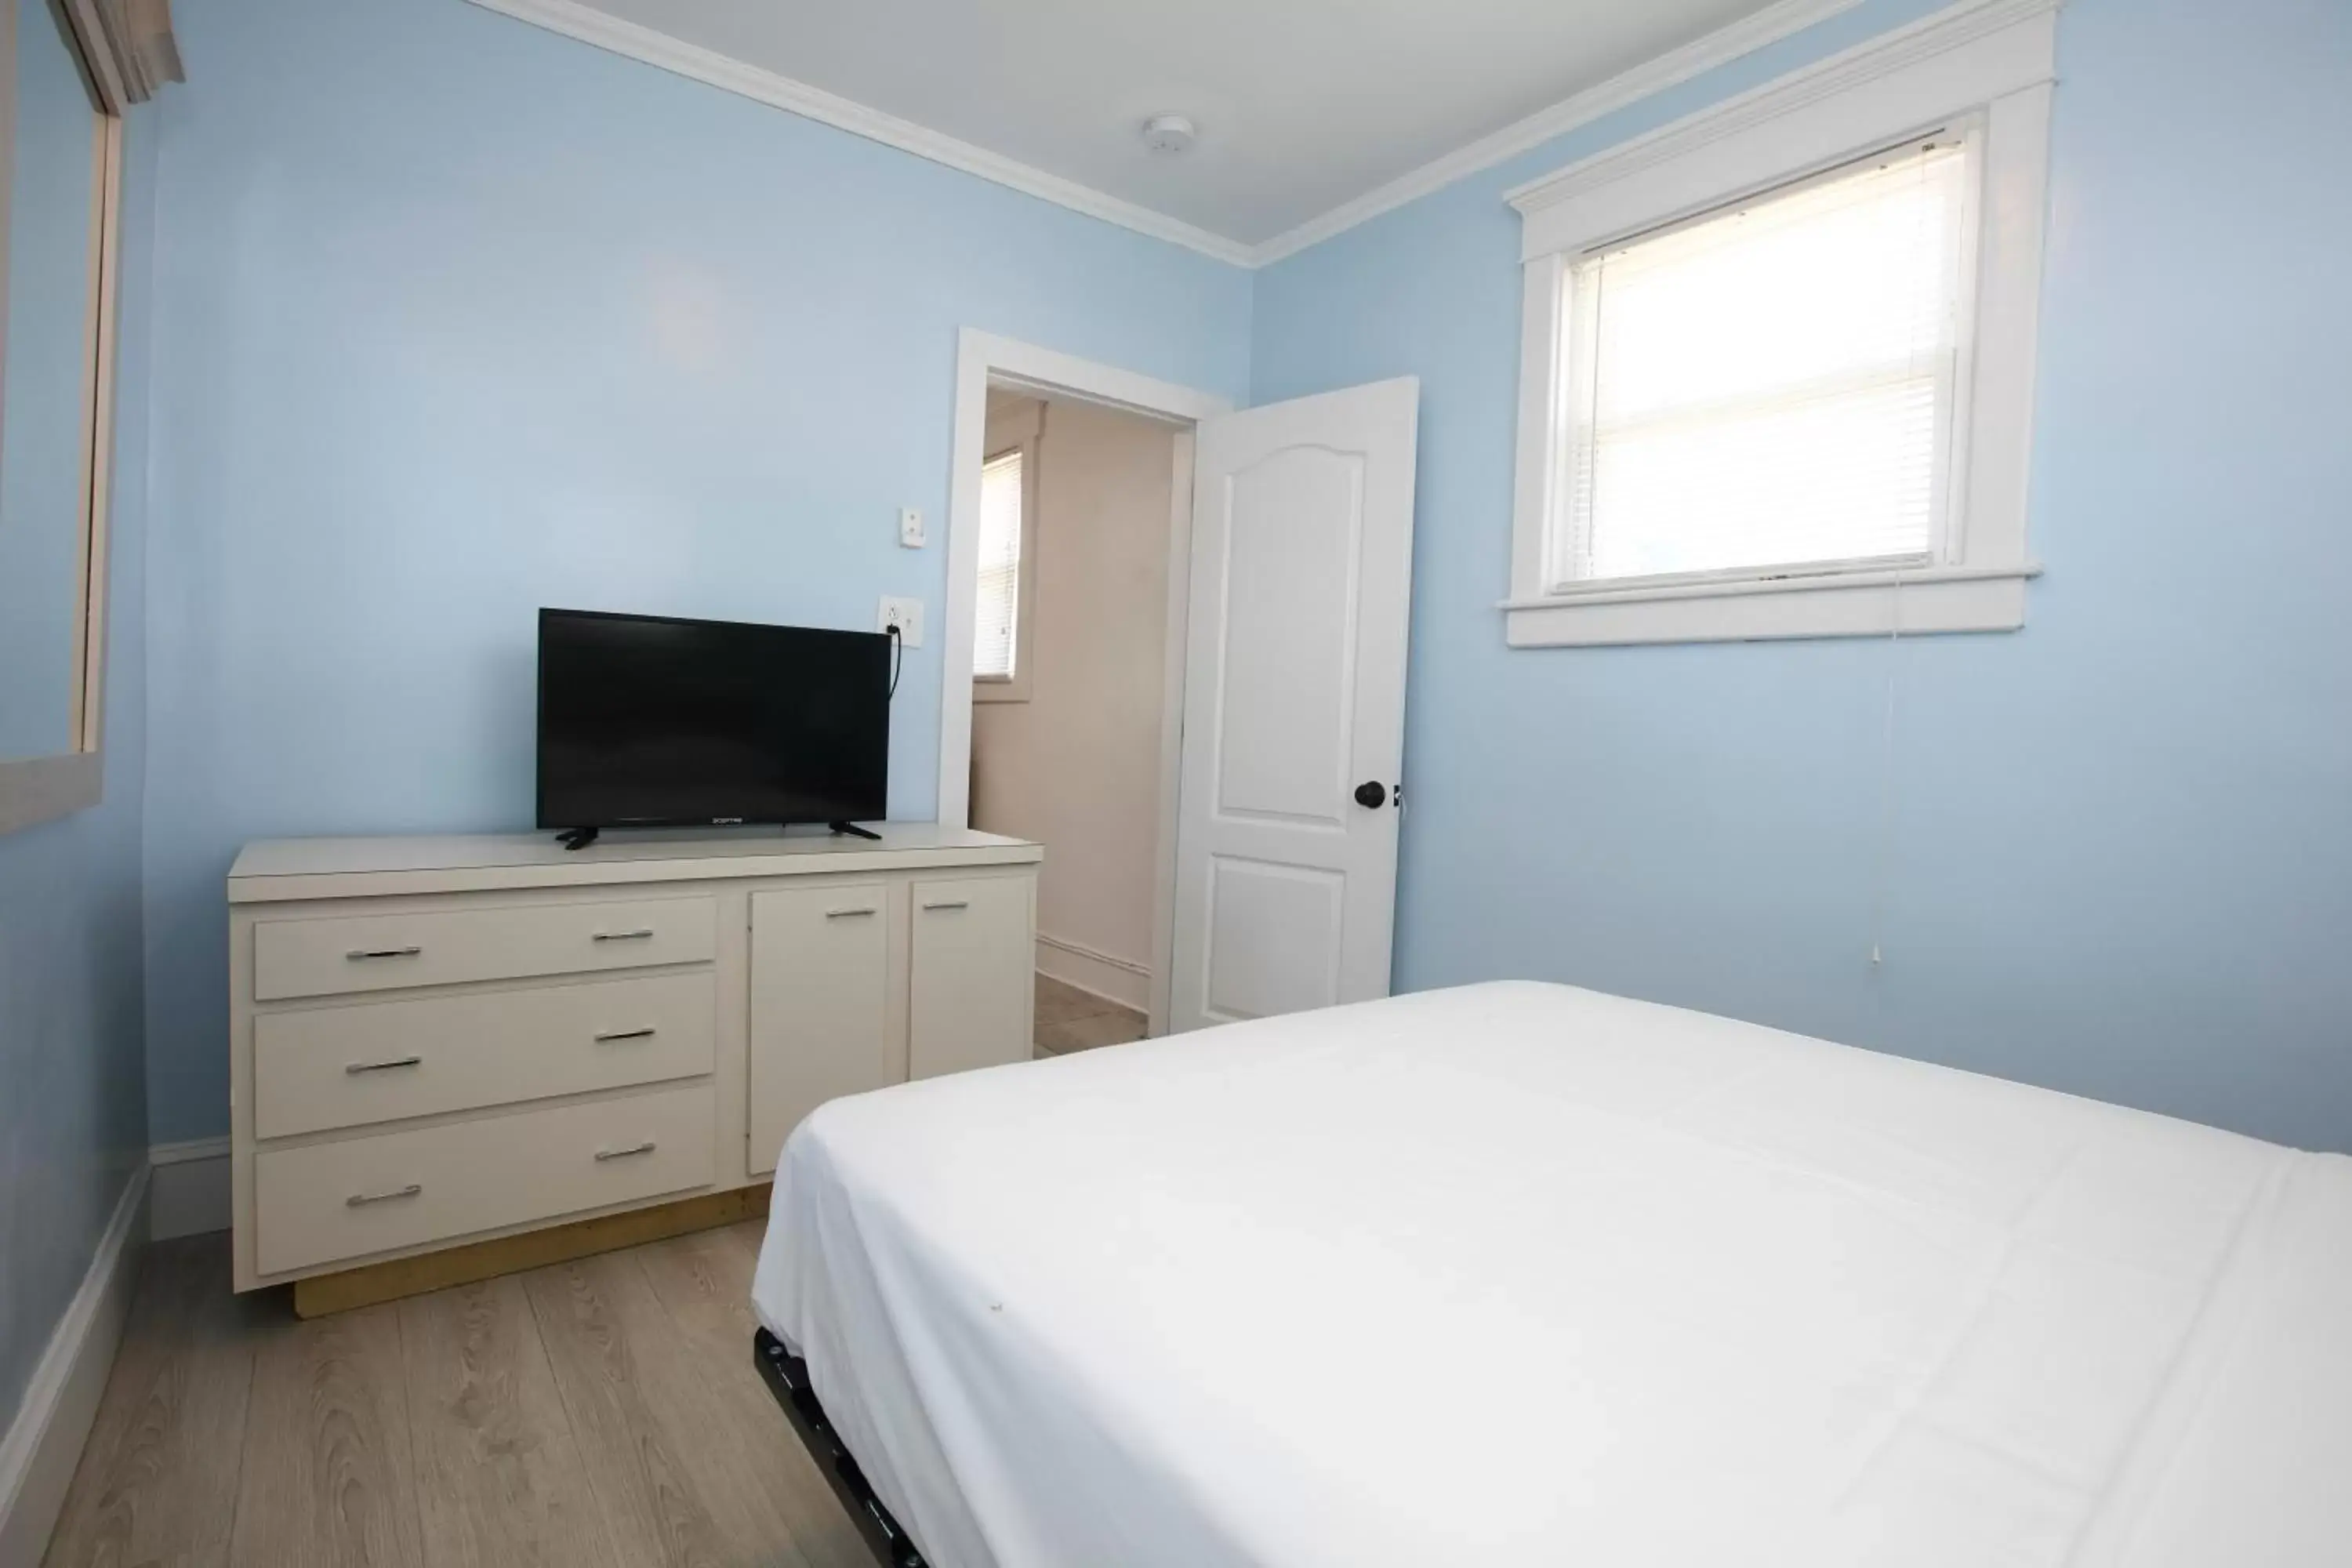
(1294, 704)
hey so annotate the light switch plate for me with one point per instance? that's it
(911, 527)
(907, 615)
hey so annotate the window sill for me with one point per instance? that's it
(1844, 604)
(43, 789)
(999, 688)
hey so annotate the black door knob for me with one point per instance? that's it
(1371, 795)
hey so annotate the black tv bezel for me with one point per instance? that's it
(538, 721)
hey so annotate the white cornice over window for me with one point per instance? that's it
(131, 48)
(1989, 66)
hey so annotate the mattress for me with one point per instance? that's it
(1526, 1274)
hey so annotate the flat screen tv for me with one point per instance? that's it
(652, 721)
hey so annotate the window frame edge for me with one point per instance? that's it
(1017, 686)
(1993, 62)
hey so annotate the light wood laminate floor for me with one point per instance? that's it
(602, 1413)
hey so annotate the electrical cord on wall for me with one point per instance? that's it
(1882, 870)
(898, 661)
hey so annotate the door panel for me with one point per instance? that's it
(1274, 938)
(820, 1004)
(1295, 525)
(973, 955)
(1295, 671)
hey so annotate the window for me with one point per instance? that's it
(1778, 365)
(61, 100)
(1771, 386)
(1005, 587)
(997, 622)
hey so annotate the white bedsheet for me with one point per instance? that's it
(1523, 1274)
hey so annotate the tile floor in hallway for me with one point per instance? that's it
(1069, 1019)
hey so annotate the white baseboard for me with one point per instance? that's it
(1114, 979)
(43, 1443)
(192, 1188)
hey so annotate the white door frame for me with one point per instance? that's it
(982, 360)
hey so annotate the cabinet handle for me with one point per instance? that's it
(845, 914)
(948, 904)
(360, 954)
(643, 933)
(625, 1034)
(645, 1148)
(384, 1066)
(361, 1200)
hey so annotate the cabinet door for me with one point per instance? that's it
(973, 956)
(820, 1004)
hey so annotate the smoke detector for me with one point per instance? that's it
(1168, 134)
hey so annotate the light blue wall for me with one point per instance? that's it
(73, 1100)
(2123, 858)
(47, 377)
(458, 318)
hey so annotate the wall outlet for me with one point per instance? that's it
(911, 527)
(907, 615)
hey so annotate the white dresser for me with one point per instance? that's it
(438, 1042)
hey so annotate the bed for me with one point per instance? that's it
(1526, 1274)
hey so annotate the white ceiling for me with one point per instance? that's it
(1302, 105)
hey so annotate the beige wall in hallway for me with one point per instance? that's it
(1076, 766)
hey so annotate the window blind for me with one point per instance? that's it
(996, 624)
(1772, 384)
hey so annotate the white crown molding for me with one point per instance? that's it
(1779, 20)
(590, 25)
(1942, 33)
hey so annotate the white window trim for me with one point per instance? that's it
(1991, 60)
(35, 790)
(1024, 432)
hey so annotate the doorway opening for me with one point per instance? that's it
(1070, 667)
(1195, 702)
(1068, 567)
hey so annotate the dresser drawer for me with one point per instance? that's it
(333, 1201)
(383, 953)
(322, 1067)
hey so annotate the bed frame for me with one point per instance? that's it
(787, 1378)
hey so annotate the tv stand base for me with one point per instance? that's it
(576, 837)
(854, 831)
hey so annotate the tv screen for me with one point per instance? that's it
(648, 721)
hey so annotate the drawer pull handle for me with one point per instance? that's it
(845, 914)
(360, 954)
(948, 904)
(361, 1200)
(645, 1148)
(384, 1065)
(643, 933)
(625, 1034)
